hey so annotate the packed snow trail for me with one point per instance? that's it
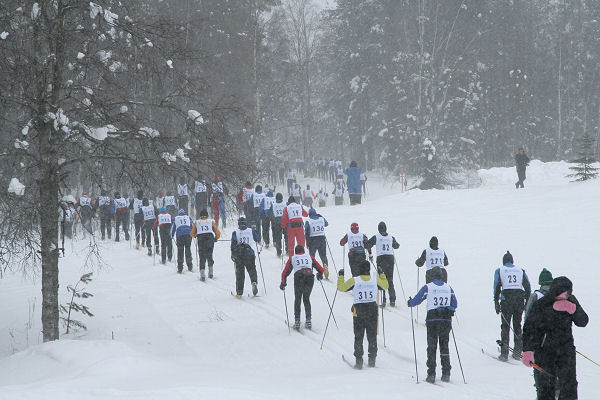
(178, 337)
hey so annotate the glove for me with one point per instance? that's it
(319, 276)
(497, 307)
(564, 305)
(408, 301)
(379, 270)
(233, 258)
(215, 240)
(528, 358)
(341, 272)
(282, 286)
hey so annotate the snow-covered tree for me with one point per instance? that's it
(583, 168)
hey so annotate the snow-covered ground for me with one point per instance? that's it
(178, 338)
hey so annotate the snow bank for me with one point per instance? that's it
(538, 173)
(16, 187)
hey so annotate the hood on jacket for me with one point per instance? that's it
(433, 243)
(560, 285)
(382, 228)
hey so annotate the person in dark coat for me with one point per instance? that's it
(548, 340)
(522, 161)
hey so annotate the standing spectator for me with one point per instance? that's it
(522, 161)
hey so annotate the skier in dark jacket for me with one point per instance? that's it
(548, 340)
(314, 231)
(243, 256)
(385, 244)
(441, 304)
(511, 292)
(522, 161)
(433, 257)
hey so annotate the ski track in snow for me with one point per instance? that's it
(177, 337)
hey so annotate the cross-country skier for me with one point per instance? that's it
(182, 192)
(181, 228)
(544, 280)
(218, 201)
(441, 304)
(548, 340)
(322, 196)
(511, 291)
(302, 265)
(275, 214)
(385, 245)
(171, 204)
(105, 213)
(255, 200)
(201, 195)
(338, 193)
(291, 181)
(138, 218)
(85, 210)
(314, 231)
(243, 256)
(265, 207)
(67, 216)
(308, 197)
(149, 215)
(364, 288)
(522, 161)
(121, 212)
(356, 248)
(294, 225)
(163, 222)
(433, 257)
(205, 230)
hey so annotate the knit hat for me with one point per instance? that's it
(291, 199)
(299, 249)
(381, 227)
(508, 258)
(545, 277)
(203, 213)
(433, 242)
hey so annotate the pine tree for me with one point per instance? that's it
(431, 169)
(584, 164)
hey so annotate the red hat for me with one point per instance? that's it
(354, 227)
(216, 179)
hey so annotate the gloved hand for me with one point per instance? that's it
(497, 307)
(319, 276)
(282, 286)
(341, 272)
(564, 305)
(408, 301)
(233, 258)
(528, 358)
(379, 270)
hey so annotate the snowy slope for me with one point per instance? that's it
(177, 337)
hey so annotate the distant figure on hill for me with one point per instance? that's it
(522, 161)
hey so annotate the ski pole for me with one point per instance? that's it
(329, 304)
(587, 358)
(329, 318)
(261, 269)
(399, 278)
(331, 254)
(287, 316)
(458, 355)
(412, 322)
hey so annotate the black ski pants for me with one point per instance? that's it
(266, 225)
(249, 263)
(206, 244)
(386, 263)
(121, 219)
(354, 260)
(166, 250)
(201, 203)
(318, 243)
(183, 203)
(277, 233)
(303, 285)
(86, 215)
(560, 362)
(147, 231)
(105, 217)
(138, 222)
(184, 245)
(521, 175)
(365, 321)
(355, 198)
(438, 331)
(511, 313)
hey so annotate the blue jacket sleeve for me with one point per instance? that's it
(306, 230)
(256, 235)
(453, 302)
(326, 223)
(422, 295)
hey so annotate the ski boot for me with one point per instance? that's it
(297, 324)
(430, 378)
(326, 271)
(191, 269)
(157, 250)
(210, 271)
(254, 288)
(137, 246)
(150, 251)
(392, 304)
(445, 376)
(202, 275)
(359, 363)
(371, 362)
(308, 323)
(503, 357)
(266, 245)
